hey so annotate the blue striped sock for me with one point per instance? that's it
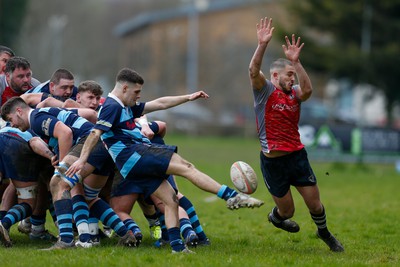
(15, 214)
(132, 225)
(185, 203)
(185, 227)
(63, 210)
(102, 211)
(226, 192)
(81, 215)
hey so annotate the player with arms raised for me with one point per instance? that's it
(284, 161)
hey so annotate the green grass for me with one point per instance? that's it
(362, 204)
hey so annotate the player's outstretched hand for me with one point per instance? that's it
(197, 95)
(292, 50)
(264, 30)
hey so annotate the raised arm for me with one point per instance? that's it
(292, 51)
(264, 35)
(172, 101)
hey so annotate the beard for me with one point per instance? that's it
(19, 89)
(285, 88)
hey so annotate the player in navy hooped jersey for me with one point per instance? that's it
(148, 164)
(63, 129)
(22, 157)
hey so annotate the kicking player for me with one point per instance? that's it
(148, 164)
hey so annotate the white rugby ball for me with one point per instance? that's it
(244, 177)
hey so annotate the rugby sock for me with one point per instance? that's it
(51, 210)
(185, 227)
(2, 214)
(164, 232)
(102, 211)
(275, 215)
(93, 227)
(185, 203)
(81, 215)
(132, 225)
(226, 192)
(63, 210)
(38, 222)
(320, 221)
(15, 214)
(176, 240)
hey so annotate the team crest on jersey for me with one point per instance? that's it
(130, 125)
(46, 126)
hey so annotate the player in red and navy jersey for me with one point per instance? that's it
(284, 161)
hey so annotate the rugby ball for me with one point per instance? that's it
(244, 177)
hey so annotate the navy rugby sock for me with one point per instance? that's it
(63, 210)
(176, 240)
(185, 203)
(81, 215)
(102, 211)
(185, 227)
(226, 192)
(15, 214)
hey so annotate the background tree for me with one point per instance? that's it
(11, 14)
(355, 39)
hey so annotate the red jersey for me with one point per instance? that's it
(277, 118)
(7, 94)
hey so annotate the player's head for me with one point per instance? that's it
(62, 84)
(89, 94)
(18, 74)
(128, 86)
(15, 110)
(5, 54)
(283, 74)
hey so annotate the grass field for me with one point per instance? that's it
(362, 204)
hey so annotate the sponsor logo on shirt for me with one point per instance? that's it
(46, 126)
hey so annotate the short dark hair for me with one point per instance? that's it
(10, 106)
(5, 49)
(280, 64)
(16, 63)
(90, 86)
(129, 75)
(61, 74)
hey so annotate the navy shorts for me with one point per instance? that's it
(148, 172)
(17, 160)
(282, 172)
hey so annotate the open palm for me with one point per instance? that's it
(264, 30)
(292, 50)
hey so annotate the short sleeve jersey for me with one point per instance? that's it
(43, 121)
(118, 125)
(277, 117)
